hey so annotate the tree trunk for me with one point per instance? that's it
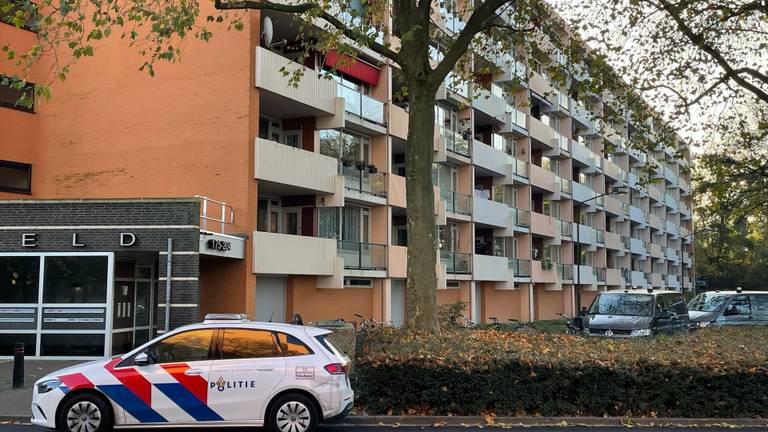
(422, 233)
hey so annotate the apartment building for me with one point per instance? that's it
(132, 204)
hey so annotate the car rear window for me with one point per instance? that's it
(330, 347)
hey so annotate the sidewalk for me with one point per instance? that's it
(14, 403)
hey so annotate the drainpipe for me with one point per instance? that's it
(168, 265)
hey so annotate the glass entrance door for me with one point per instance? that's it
(132, 305)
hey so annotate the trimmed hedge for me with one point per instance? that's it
(711, 373)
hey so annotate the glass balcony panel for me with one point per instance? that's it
(456, 262)
(372, 109)
(521, 268)
(362, 256)
(352, 101)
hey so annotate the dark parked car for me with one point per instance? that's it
(636, 313)
(729, 308)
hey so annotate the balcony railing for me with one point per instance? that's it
(362, 256)
(518, 117)
(359, 178)
(521, 268)
(455, 142)
(600, 275)
(456, 262)
(520, 168)
(362, 105)
(522, 218)
(565, 272)
(456, 202)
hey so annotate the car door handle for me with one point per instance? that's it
(265, 369)
(193, 372)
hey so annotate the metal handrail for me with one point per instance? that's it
(223, 220)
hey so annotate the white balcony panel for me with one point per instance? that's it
(673, 281)
(313, 91)
(489, 158)
(637, 246)
(638, 280)
(587, 275)
(282, 164)
(580, 192)
(581, 153)
(490, 268)
(286, 254)
(671, 228)
(586, 234)
(491, 105)
(490, 212)
(636, 215)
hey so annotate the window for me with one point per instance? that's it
(8, 343)
(11, 96)
(15, 177)
(19, 279)
(760, 306)
(243, 343)
(292, 346)
(72, 345)
(187, 346)
(75, 279)
(345, 146)
(740, 305)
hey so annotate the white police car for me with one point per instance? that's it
(224, 371)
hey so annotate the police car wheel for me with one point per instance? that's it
(293, 413)
(85, 413)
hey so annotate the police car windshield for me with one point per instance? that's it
(622, 304)
(707, 302)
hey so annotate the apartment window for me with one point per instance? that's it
(551, 208)
(445, 176)
(586, 218)
(448, 237)
(349, 224)
(15, 177)
(345, 146)
(550, 164)
(14, 98)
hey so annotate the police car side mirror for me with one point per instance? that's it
(141, 359)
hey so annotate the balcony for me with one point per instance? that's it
(543, 225)
(517, 168)
(521, 218)
(613, 241)
(396, 193)
(539, 84)
(672, 229)
(587, 275)
(519, 268)
(581, 114)
(515, 122)
(542, 178)
(456, 262)
(614, 207)
(361, 105)
(359, 179)
(362, 256)
(582, 154)
(582, 193)
(612, 170)
(637, 215)
(639, 280)
(541, 275)
(490, 212)
(490, 268)
(312, 96)
(490, 158)
(455, 142)
(397, 119)
(565, 272)
(295, 169)
(672, 255)
(285, 254)
(613, 277)
(456, 202)
(490, 106)
(656, 251)
(637, 247)
(541, 132)
(673, 282)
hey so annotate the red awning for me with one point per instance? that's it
(356, 68)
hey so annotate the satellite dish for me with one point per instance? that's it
(267, 31)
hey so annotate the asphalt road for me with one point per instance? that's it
(28, 428)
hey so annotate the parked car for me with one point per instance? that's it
(224, 371)
(636, 313)
(725, 308)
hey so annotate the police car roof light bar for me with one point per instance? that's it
(225, 317)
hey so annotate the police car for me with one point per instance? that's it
(224, 371)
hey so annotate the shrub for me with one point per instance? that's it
(711, 373)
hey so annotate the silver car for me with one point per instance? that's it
(726, 308)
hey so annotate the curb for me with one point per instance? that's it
(550, 421)
(15, 419)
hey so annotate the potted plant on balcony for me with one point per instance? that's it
(546, 264)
